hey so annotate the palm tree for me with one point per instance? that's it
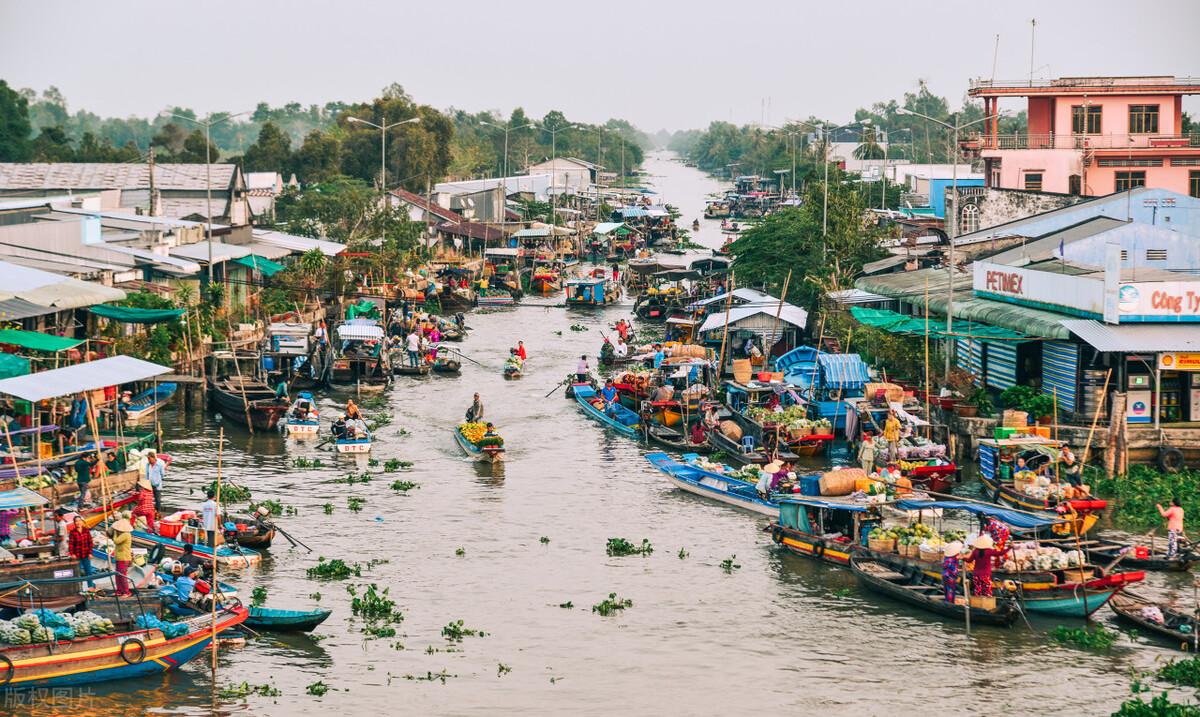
(870, 148)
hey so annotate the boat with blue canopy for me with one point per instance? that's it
(303, 418)
(147, 403)
(613, 415)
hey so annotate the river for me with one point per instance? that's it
(777, 633)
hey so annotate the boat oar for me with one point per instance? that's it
(553, 390)
(460, 353)
(292, 540)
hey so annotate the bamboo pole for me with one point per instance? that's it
(215, 591)
(928, 415)
(1095, 419)
(725, 334)
(778, 313)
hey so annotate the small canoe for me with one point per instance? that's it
(146, 403)
(266, 618)
(614, 415)
(670, 438)
(713, 486)
(1177, 627)
(513, 369)
(353, 445)
(303, 418)
(909, 585)
(421, 369)
(447, 367)
(1155, 556)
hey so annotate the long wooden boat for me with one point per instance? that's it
(660, 435)
(622, 421)
(447, 366)
(999, 490)
(713, 486)
(916, 588)
(488, 454)
(495, 297)
(65, 489)
(147, 403)
(276, 620)
(249, 533)
(130, 653)
(240, 399)
(227, 555)
(1178, 628)
(1154, 557)
(403, 369)
(735, 452)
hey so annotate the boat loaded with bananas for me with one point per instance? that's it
(479, 443)
(1025, 490)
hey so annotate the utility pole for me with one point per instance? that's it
(153, 192)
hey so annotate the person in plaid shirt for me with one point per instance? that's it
(144, 505)
(79, 546)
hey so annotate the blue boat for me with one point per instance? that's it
(588, 291)
(709, 484)
(303, 418)
(490, 454)
(266, 618)
(614, 415)
(147, 402)
(229, 557)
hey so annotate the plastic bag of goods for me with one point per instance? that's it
(731, 430)
(840, 481)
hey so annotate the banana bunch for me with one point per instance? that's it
(473, 432)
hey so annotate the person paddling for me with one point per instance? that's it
(1174, 517)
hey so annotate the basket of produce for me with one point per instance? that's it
(882, 541)
(930, 554)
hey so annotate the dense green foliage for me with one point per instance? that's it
(345, 210)
(1136, 493)
(792, 240)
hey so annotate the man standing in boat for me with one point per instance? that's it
(1174, 516)
(155, 472)
(475, 412)
(208, 519)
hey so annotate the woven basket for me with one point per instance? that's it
(882, 546)
(931, 556)
(911, 550)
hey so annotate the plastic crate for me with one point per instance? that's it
(1003, 432)
(810, 485)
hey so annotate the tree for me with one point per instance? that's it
(792, 240)
(271, 152)
(97, 149)
(347, 210)
(15, 145)
(319, 158)
(416, 153)
(194, 149)
(53, 145)
(169, 140)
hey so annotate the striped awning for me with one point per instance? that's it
(360, 332)
(21, 497)
(843, 371)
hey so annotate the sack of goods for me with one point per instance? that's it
(731, 430)
(1015, 419)
(690, 351)
(840, 481)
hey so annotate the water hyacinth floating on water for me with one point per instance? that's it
(1097, 638)
(611, 604)
(246, 689)
(617, 547)
(403, 486)
(335, 569)
(455, 631)
(355, 504)
(728, 565)
(317, 688)
(392, 465)
(258, 596)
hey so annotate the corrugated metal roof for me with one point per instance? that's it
(54, 290)
(111, 175)
(747, 296)
(790, 314)
(298, 244)
(220, 252)
(16, 309)
(112, 371)
(855, 296)
(1133, 338)
(874, 267)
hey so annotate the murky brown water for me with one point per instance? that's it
(778, 633)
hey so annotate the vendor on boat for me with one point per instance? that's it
(122, 552)
(770, 476)
(609, 392)
(980, 559)
(866, 454)
(352, 411)
(621, 349)
(521, 350)
(144, 504)
(338, 429)
(189, 559)
(698, 434)
(950, 555)
(659, 355)
(891, 434)
(622, 329)
(83, 477)
(475, 412)
(582, 370)
(1000, 536)
(1174, 518)
(79, 546)
(1071, 469)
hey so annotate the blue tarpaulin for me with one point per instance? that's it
(21, 497)
(820, 503)
(1014, 518)
(843, 371)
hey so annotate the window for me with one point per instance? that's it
(1143, 119)
(970, 219)
(1131, 162)
(1074, 184)
(1124, 255)
(1194, 183)
(1185, 161)
(1130, 180)
(1033, 181)
(1156, 255)
(1085, 119)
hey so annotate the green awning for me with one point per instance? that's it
(36, 341)
(134, 315)
(12, 366)
(898, 323)
(364, 308)
(261, 264)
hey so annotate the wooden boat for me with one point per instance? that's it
(247, 401)
(545, 280)
(914, 587)
(487, 454)
(63, 489)
(1085, 512)
(622, 420)
(495, 297)
(251, 532)
(146, 404)
(403, 369)
(302, 417)
(714, 486)
(227, 555)
(513, 367)
(355, 444)
(447, 366)
(1178, 627)
(276, 620)
(132, 652)
(1138, 556)
(670, 438)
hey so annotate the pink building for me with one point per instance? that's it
(1091, 136)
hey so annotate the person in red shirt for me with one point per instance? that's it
(521, 350)
(79, 546)
(980, 560)
(144, 504)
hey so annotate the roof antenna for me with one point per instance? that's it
(995, 54)
(1032, 37)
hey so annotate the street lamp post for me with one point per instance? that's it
(383, 144)
(207, 124)
(953, 225)
(506, 129)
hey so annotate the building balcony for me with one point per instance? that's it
(1063, 86)
(1143, 143)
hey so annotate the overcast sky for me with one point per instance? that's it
(659, 63)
